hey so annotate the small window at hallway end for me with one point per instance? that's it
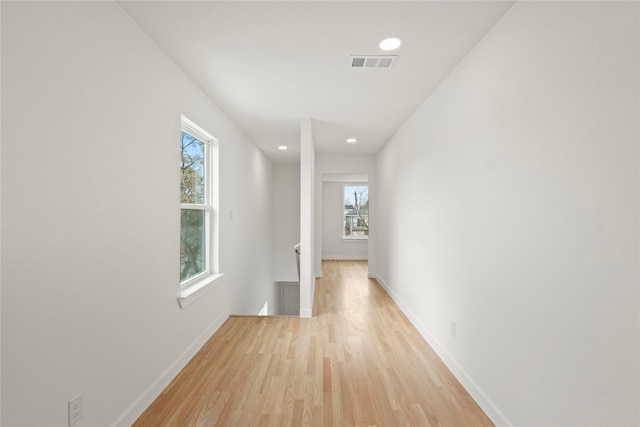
(356, 212)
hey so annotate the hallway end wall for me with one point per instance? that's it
(347, 165)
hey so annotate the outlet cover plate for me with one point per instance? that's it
(76, 410)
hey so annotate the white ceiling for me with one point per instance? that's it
(270, 63)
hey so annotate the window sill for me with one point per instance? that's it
(196, 290)
(355, 239)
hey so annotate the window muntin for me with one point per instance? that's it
(196, 204)
(355, 219)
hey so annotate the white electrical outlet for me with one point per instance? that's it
(453, 328)
(76, 410)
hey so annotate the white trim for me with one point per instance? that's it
(492, 411)
(305, 313)
(191, 129)
(154, 390)
(195, 130)
(359, 239)
(190, 293)
(214, 203)
(345, 257)
(192, 288)
(195, 206)
(356, 178)
(196, 280)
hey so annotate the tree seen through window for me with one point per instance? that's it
(356, 211)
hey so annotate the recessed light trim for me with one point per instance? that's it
(390, 43)
(351, 140)
(282, 147)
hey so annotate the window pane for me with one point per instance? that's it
(192, 243)
(356, 211)
(192, 184)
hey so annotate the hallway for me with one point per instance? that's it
(358, 361)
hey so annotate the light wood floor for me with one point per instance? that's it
(357, 362)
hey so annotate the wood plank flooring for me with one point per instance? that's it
(357, 362)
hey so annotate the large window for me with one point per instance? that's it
(198, 203)
(356, 212)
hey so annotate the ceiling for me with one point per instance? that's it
(268, 64)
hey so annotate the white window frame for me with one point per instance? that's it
(196, 286)
(344, 185)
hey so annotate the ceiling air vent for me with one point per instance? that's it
(365, 61)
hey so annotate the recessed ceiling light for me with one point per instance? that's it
(282, 147)
(391, 43)
(351, 140)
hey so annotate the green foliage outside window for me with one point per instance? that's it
(193, 225)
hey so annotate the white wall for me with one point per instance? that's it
(307, 218)
(90, 216)
(345, 165)
(333, 244)
(523, 169)
(0, 231)
(286, 221)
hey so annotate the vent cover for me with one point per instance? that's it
(366, 61)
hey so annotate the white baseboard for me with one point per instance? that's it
(346, 257)
(371, 275)
(161, 383)
(305, 313)
(467, 382)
